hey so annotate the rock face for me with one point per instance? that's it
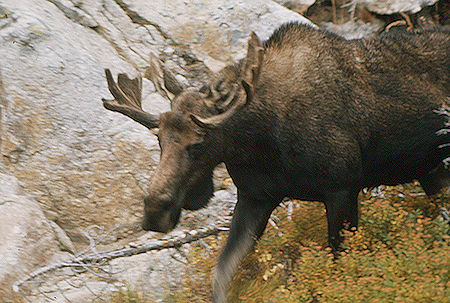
(76, 160)
(217, 32)
(84, 165)
(26, 237)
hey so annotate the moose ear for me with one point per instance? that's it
(249, 74)
(252, 65)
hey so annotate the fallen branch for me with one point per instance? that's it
(95, 259)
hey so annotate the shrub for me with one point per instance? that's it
(400, 253)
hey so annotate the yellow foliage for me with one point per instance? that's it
(400, 253)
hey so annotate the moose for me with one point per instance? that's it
(306, 115)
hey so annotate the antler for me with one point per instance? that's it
(127, 99)
(165, 82)
(249, 74)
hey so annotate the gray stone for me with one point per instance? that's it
(217, 32)
(64, 242)
(296, 5)
(388, 7)
(354, 29)
(26, 238)
(73, 156)
(154, 273)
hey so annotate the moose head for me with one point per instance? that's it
(191, 135)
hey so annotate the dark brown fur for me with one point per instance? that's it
(306, 115)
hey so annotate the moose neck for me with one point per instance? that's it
(249, 130)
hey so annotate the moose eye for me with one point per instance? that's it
(194, 151)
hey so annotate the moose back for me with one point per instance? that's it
(306, 115)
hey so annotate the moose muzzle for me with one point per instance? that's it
(161, 219)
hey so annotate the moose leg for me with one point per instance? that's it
(342, 212)
(249, 221)
(437, 179)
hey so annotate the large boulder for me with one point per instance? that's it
(27, 238)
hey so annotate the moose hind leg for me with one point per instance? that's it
(433, 182)
(248, 224)
(342, 212)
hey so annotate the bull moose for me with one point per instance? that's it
(306, 115)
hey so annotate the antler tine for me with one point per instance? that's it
(155, 74)
(223, 92)
(163, 79)
(131, 88)
(127, 99)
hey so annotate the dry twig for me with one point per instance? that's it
(97, 259)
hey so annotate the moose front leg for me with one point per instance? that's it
(249, 221)
(342, 212)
